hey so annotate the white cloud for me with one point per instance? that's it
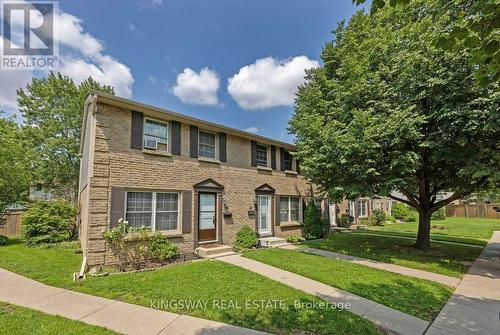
(197, 88)
(269, 82)
(152, 80)
(81, 55)
(253, 130)
(150, 4)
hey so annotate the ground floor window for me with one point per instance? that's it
(362, 208)
(289, 209)
(156, 210)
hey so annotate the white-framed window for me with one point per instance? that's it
(362, 208)
(290, 209)
(159, 211)
(207, 144)
(288, 161)
(261, 155)
(350, 207)
(156, 130)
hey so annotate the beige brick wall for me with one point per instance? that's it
(117, 165)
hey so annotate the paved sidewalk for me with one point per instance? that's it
(446, 280)
(474, 308)
(115, 315)
(386, 317)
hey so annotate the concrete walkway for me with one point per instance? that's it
(386, 317)
(367, 232)
(474, 308)
(115, 315)
(446, 280)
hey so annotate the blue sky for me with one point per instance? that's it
(155, 51)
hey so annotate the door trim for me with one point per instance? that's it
(269, 231)
(216, 218)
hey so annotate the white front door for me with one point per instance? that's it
(264, 214)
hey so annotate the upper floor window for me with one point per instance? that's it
(206, 145)
(155, 132)
(261, 155)
(288, 161)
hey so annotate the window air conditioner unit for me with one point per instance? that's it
(150, 143)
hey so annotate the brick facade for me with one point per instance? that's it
(115, 164)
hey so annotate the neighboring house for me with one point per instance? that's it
(362, 208)
(39, 192)
(194, 181)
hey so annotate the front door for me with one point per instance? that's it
(264, 214)
(207, 217)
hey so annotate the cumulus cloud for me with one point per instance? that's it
(81, 55)
(269, 82)
(253, 130)
(197, 88)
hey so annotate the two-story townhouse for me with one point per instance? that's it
(194, 181)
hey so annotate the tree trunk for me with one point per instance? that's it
(424, 230)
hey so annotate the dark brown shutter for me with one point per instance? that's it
(254, 153)
(304, 206)
(117, 205)
(277, 207)
(282, 159)
(193, 141)
(222, 147)
(176, 138)
(273, 157)
(326, 209)
(297, 165)
(186, 211)
(137, 129)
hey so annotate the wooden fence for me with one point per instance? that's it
(474, 211)
(10, 223)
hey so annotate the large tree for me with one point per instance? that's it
(52, 108)
(390, 111)
(14, 163)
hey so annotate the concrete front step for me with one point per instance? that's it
(271, 242)
(214, 251)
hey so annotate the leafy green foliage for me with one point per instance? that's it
(53, 107)
(294, 239)
(378, 217)
(314, 226)
(438, 215)
(4, 240)
(14, 164)
(400, 211)
(391, 111)
(161, 248)
(474, 27)
(49, 222)
(345, 221)
(245, 239)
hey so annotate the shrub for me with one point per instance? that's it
(245, 239)
(4, 240)
(314, 225)
(49, 222)
(378, 217)
(438, 215)
(294, 239)
(400, 211)
(345, 221)
(160, 248)
(413, 216)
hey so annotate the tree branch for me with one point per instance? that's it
(444, 202)
(401, 200)
(411, 199)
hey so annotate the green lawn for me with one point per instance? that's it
(444, 258)
(209, 281)
(20, 320)
(421, 298)
(456, 229)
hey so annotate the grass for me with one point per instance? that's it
(20, 320)
(421, 298)
(209, 281)
(456, 229)
(443, 258)
(434, 237)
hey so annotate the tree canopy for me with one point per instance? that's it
(53, 110)
(389, 110)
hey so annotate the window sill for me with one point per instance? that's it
(291, 172)
(291, 224)
(157, 153)
(208, 160)
(264, 168)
